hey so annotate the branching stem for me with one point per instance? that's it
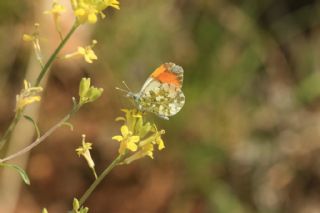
(55, 53)
(43, 137)
(89, 191)
(42, 73)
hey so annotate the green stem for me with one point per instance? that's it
(99, 179)
(43, 137)
(43, 71)
(11, 127)
(55, 54)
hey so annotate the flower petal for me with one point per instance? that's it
(117, 138)
(92, 18)
(134, 139)
(124, 130)
(132, 146)
(120, 119)
(160, 143)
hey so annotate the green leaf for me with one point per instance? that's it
(34, 124)
(21, 172)
(68, 125)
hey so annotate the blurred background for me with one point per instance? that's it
(247, 139)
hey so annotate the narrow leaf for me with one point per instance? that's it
(21, 172)
(34, 124)
(68, 125)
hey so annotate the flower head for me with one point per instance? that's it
(56, 10)
(34, 38)
(77, 208)
(86, 52)
(146, 146)
(138, 136)
(84, 151)
(88, 93)
(127, 140)
(87, 11)
(27, 96)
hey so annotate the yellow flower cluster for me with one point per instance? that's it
(87, 11)
(137, 138)
(27, 96)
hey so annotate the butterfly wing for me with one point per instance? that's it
(163, 100)
(161, 94)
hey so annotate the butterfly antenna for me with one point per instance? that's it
(122, 90)
(127, 90)
(126, 86)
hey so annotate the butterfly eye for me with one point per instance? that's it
(135, 97)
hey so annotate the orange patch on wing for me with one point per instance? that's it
(158, 71)
(168, 77)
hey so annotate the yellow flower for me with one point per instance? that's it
(127, 140)
(88, 10)
(157, 138)
(146, 150)
(27, 37)
(34, 38)
(147, 147)
(84, 151)
(113, 3)
(77, 208)
(146, 136)
(27, 96)
(88, 93)
(56, 9)
(87, 53)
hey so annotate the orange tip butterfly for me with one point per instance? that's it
(161, 94)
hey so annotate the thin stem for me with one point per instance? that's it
(99, 179)
(94, 173)
(55, 53)
(11, 127)
(37, 50)
(43, 137)
(43, 71)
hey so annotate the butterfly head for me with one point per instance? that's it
(129, 94)
(134, 96)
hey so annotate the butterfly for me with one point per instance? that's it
(161, 94)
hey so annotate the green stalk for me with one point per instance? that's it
(9, 130)
(43, 137)
(55, 53)
(99, 179)
(43, 71)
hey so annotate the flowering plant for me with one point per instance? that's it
(138, 138)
